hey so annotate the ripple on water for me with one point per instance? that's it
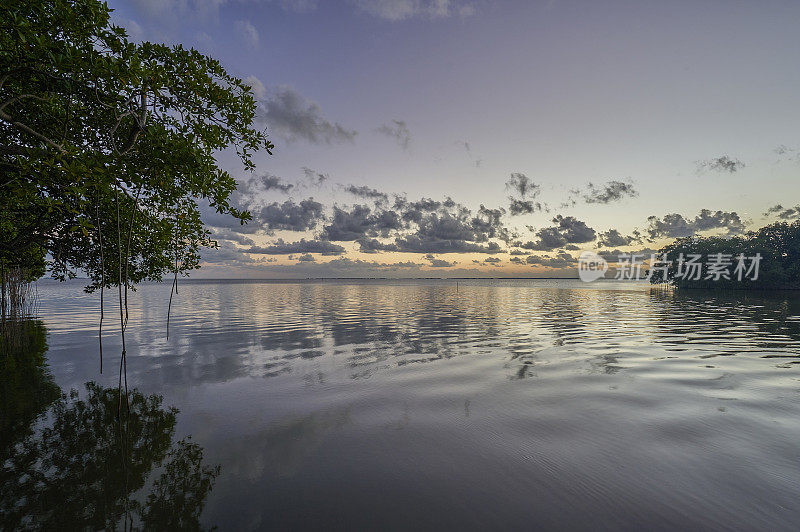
(500, 403)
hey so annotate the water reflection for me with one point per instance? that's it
(76, 461)
(503, 404)
(26, 385)
(360, 329)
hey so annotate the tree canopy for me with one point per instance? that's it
(777, 244)
(108, 147)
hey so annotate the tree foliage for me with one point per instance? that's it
(779, 247)
(107, 147)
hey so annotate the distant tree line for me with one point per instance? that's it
(777, 245)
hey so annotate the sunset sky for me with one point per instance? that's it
(480, 138)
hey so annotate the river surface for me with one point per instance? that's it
(421, 404)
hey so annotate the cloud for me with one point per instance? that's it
(161, 9)
(266, 182)
(568, 230)
(487, 223)
(315, 178)
(783, 149)
(523, 186)
(416, 244)
(413, 211)
(258, 88)
(573, 230)
(396, 10)
(613, 238)
(244, 197)
(214, 219)
(291, 216)
(447, 227)
(306, 257)
(518, 207)
(561, 260)
(299, 6)
(609, 192)
(280, 247)
(365, 192)
(247, 32)
(171, 10)
(527, 190)
(422, 226)
(398, 130)
(721, 164)
(293, 117)
(232, 236)
(272, 182)
(785, 152)
(438, 263)
(373, 245)
(468, 149)
(228, 255)
(359, 222)
(676, 226)
(789, 213)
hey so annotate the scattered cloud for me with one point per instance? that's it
(263, 183)
(360, 222)
(290, 216)
(468, 148)
(306, 257)
(293, 117)
(280, 247)
(365, 192)
(676, 226)
(517, 207)
(523, 185)
(417, 244)
(430, 226)
(568, 230)
(247, 32)
(526, 191)
(232, 236)
(609, 192)
(561, 260)
(273, 182)
(721, 164)
(397, 10)
(785, 152)
(398, 130)
(789, 213)
(613, 238)
(299, 6)
(438, 263)
(315, 178)
(615, 256)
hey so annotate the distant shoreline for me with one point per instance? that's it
(234, 279)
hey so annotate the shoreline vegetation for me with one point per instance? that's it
(778, 245)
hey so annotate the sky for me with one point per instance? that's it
(447, 138)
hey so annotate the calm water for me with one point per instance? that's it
(387, 404)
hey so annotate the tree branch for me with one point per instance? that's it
(26, 129)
